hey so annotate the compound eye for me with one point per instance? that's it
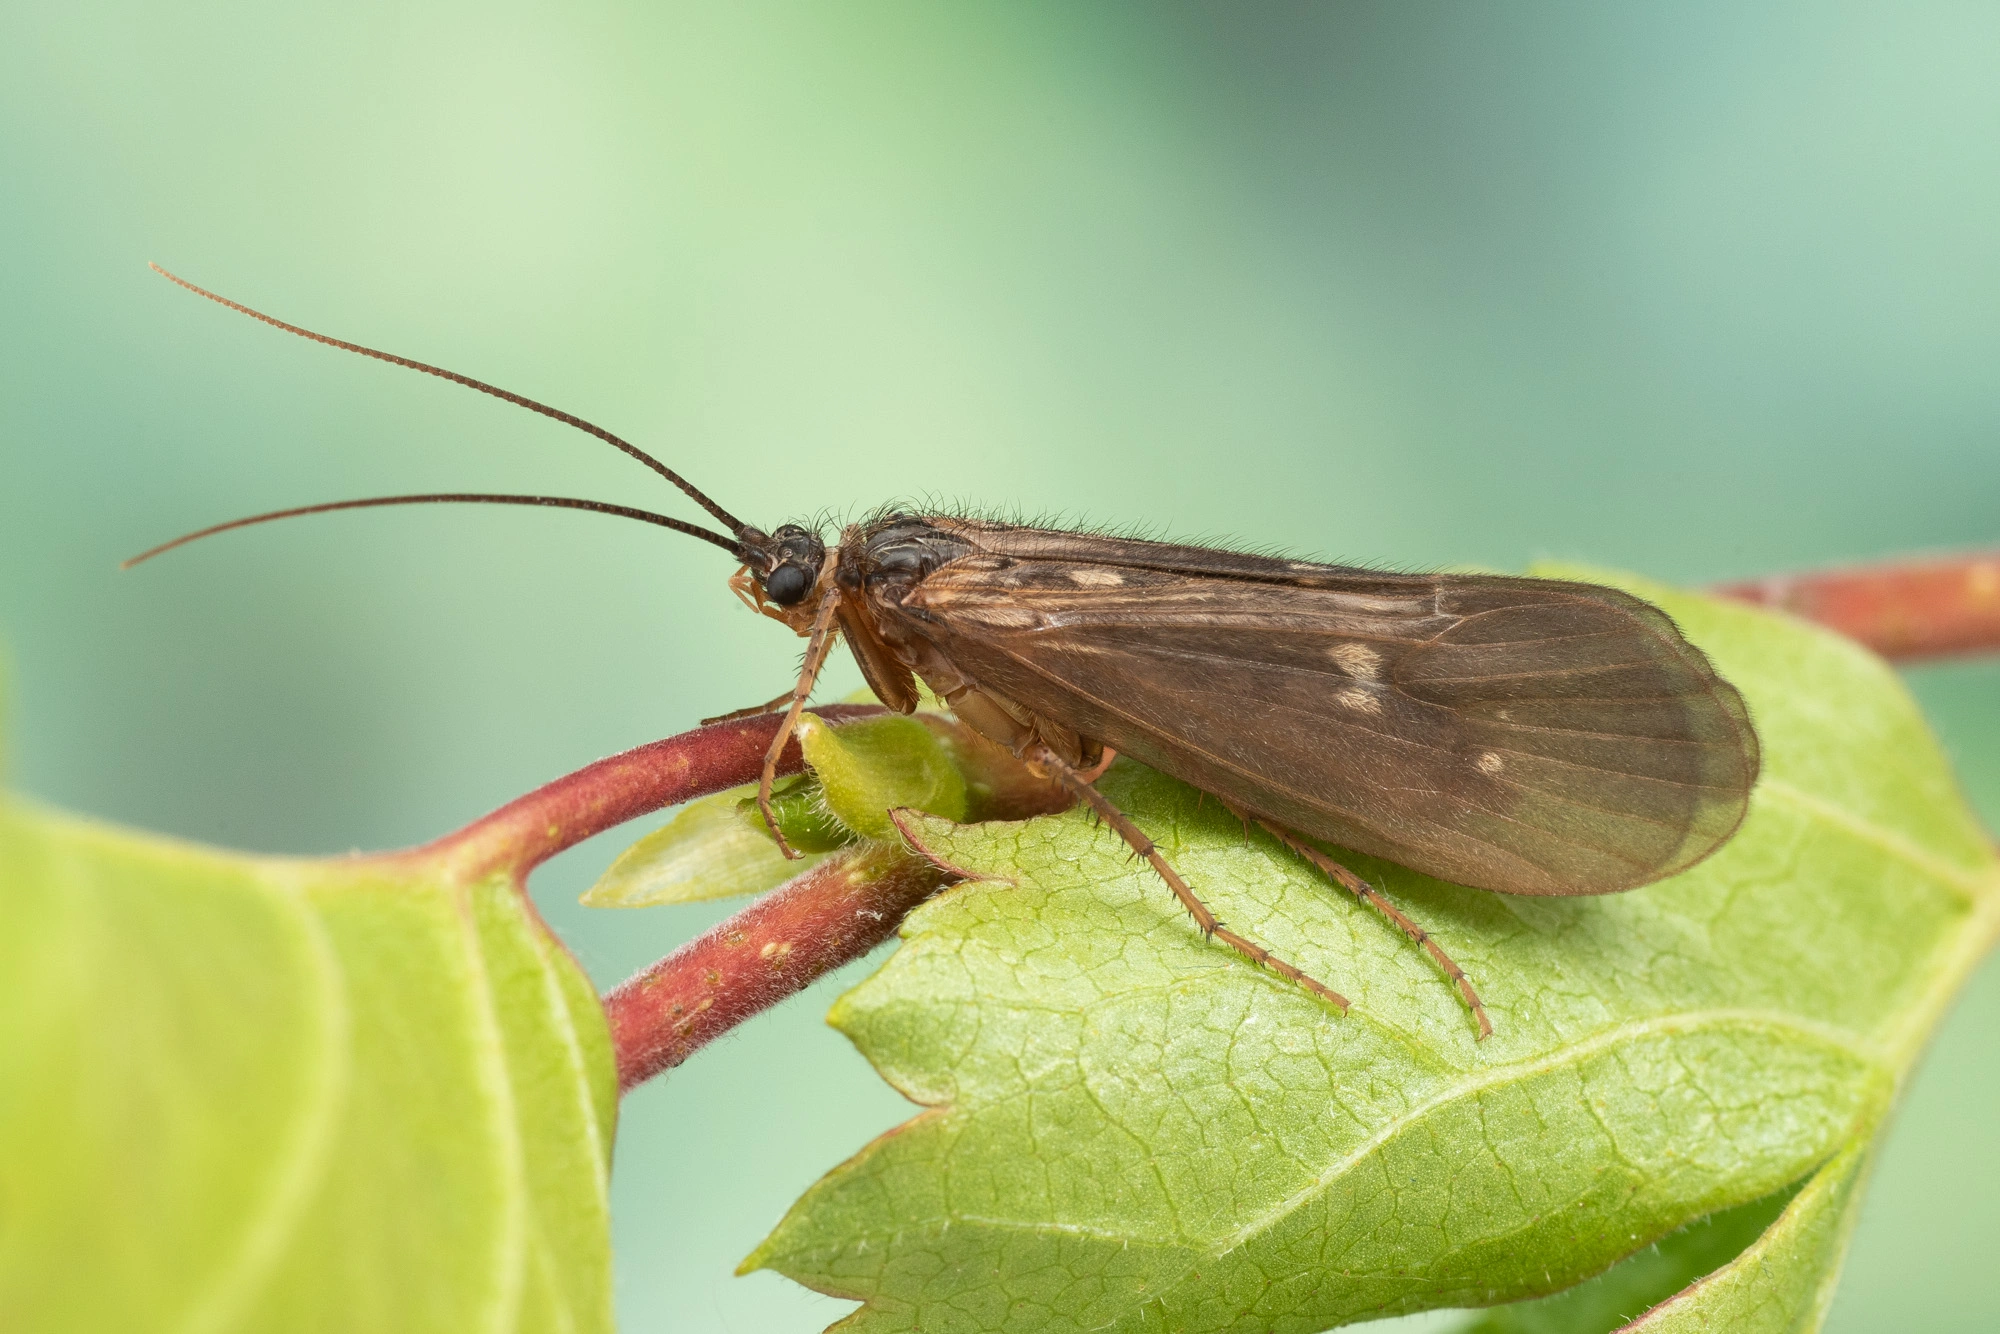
(787, 585)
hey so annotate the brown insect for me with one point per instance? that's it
(1529, 736)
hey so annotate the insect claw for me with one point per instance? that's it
(791, 853)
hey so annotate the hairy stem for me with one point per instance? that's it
(835, 912)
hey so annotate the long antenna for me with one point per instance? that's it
(728, 520)
(448, 498)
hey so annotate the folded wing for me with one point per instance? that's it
(1524, 735)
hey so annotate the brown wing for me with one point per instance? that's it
(1523, 735)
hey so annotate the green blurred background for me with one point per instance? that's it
(1702, 290)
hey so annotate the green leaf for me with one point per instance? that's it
(247, 1093)
(718, 847)
(1128, 1127)
(871, 766)
(804, 816)
(1633, 1285)
(1785, 1281)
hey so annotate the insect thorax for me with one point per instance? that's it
(897, 550)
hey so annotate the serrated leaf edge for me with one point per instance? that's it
(1847, 1170)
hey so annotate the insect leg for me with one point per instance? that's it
(1369, 895)
(745, 588)
(1096, 771)
(817, 646)
(1135, 837)
(754, 711)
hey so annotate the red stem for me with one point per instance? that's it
(527, 832)
(835, 912)
(1904, 610)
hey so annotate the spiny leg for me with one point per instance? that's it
(1136, 839)
(1369, 895)
(754, 711)
(817, 646)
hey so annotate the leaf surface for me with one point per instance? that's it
(712, 849)
(257, 1094)
(1784, 1281)
(1639, 1282)
(870, 766)
(1130, 1128)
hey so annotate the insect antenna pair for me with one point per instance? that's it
(731, 543)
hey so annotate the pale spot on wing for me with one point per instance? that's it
(1091, 577)
(1357, 660)
(1360, 701)
(983, 562)
(1488, 763)
(1007, 618)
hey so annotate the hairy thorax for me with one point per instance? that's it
(879, 570)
